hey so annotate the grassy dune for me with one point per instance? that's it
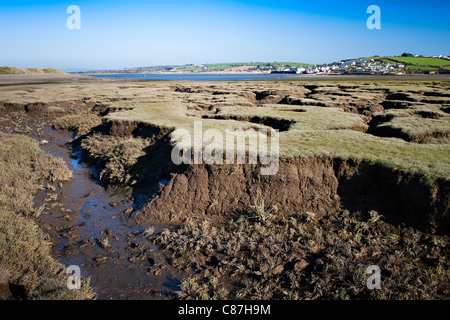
(16, 70)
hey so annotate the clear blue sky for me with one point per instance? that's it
(116, 34)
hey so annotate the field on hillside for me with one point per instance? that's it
(224, 66)
(417, 64)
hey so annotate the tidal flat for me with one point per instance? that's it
(364, 179)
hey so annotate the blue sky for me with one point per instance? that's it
(116, 34)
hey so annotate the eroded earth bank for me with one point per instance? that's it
(363, 180)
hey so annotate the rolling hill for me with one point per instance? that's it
(417, 64)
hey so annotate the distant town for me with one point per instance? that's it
(382, 65)
(407, 63)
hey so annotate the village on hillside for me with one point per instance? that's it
(406, 63)
(381, 66)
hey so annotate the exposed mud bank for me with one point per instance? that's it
(322, 186)
(133, 129)
(387, 131)
(40, 109)
(225, 191)
(278, 124)
(403, 197)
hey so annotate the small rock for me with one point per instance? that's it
(99, 259)
(278, 270)
(156, 270)
(128, 211)
(299, 266)
(207, 273)
(103, 242)
(43, 142)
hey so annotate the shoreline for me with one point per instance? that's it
(324, 75)
(29, 79)
(15, 79)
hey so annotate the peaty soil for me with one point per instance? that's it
(322, 186)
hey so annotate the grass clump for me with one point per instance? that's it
(116, 157)
(79, 123)
(208, 290)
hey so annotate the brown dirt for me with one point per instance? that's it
(318, 185)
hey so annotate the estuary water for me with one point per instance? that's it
(201, 76)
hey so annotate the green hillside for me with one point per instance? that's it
(260, 65)
(417, 64)
(222, 66)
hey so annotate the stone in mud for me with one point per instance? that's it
(103, 242)
(300, 265)
(156, 270)
(128, 211)
(139, 257)
(100, 259)
(278, 270)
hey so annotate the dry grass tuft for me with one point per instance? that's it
(116, 157)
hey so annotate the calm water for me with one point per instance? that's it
(202, 77)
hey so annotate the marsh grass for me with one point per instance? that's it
(25, 259)
(300, 258)
(115, 156)
(80, 123)
(333, 120)
(259, 210)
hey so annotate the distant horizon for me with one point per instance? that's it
(239, 62)
(116, 35)
(75, 69)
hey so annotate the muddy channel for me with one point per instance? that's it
(87, 224)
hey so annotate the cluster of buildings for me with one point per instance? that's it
(355, 66)
(347, 66)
